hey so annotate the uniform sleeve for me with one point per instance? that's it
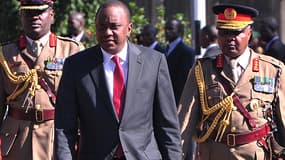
(280, 110)
(66, 116)
(165, 116)
(188, 113)
(2, 96)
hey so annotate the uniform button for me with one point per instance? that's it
(209, 97)
(233, 129)
(37, 67)
(37, 106)
(39, 87)
(232, 149)
(36, 126)
(7, 134)
(234, 108)
(59, 73)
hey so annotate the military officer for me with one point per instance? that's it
(232, 104)
(30, 71)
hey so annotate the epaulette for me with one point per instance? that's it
(271, 60)
(67, 39)
(81, 46)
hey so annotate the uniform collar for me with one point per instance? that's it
(43, 40)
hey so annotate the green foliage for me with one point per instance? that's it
(10, 27)
(9, 20)
(187, 28)
(160, 25)
(138, 19)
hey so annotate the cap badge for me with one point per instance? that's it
(230, 13)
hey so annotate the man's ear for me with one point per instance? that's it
(130, 27)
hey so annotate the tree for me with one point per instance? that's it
(10, 28)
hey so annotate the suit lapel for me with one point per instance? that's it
(98, 76)
(134, 69)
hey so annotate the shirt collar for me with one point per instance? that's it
(122, 54)
(174, 43)
(43, 40)
(78, 37)
(153, 44)
(243, 59)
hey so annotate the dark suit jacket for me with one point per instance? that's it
(212, 52)
(149, 126)
(180, 60)
(277, 50)
(159, 48)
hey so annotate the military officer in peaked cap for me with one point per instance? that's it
(232, 105)
(30, 70)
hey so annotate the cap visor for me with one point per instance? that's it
(34, 7)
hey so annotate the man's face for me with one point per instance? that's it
(37, 23)
(112, 28)
(148, 37)
(204, 40)
(75, 24)
(171, 30)
(234, 43)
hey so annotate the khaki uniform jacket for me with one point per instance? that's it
(23, 139)
(190, 111)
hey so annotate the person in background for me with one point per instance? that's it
(255, 42)
(30, 70)
(148, 35)
(122, 95)
(233, 104)
(208, 40)
(180, 57)
(76, 30)
(268, 29)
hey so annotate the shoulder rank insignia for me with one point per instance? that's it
(263, 84)
(220, 61)
(255, 65)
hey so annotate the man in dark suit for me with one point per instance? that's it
(208, 40)
(76, 30)
(274, 47)
(148, 35)
(180, 57)
(122, 95)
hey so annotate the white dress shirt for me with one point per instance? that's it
(109, 66)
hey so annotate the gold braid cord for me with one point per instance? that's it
(223, 108)
(30, 77)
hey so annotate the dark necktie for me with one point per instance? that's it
(118, 86)
(36, 48)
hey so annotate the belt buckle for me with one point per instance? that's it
(231, 140)
(39, 115)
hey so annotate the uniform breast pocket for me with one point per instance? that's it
(260, 103)
(214, 94)
(266, 97)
